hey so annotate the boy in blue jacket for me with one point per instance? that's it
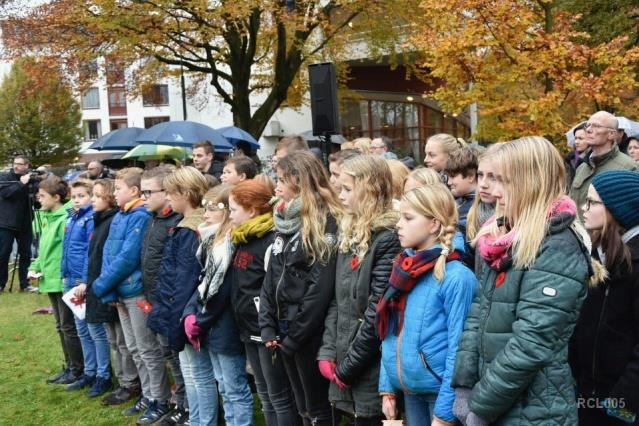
(120, 281)
(73, 269)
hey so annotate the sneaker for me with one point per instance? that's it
(83, 382)
(154, 413)
(68, 378)
(54, 379)
(100, 387)
(140, 405)
(30, 289)
(121, 395)
(175, 417)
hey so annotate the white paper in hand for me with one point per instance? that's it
(393, 422)
(77, 305)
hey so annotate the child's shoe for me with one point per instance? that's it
(177, 417)
(154, 413)
(54, 379)
(121, 395)
(100, 387)
(83, 381)
(140, 405)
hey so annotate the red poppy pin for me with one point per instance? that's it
(499, 280)
(354, 262)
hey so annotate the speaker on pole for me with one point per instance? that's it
(324, 108)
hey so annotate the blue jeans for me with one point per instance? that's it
(100, 339)
(201, 390)
(88, 347)
(230, 373)
(418, 407)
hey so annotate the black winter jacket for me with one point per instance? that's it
(96, 311)
(153, 247)
(604, 350)
(296, 294)
(248, 271)
(15, 210)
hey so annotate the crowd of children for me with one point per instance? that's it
(444, 295)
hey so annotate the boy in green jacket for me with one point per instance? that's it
(52, 194)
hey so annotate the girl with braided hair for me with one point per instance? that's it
(421, 315)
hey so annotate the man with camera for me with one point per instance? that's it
(16, 188)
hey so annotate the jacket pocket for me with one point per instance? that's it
(429, 368)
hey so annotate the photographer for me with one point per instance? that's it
(15, 219)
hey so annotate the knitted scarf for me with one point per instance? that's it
(496, 249)
(287, 217)
(485, 211)
(405, 274)
(215, 259)
(252, 228)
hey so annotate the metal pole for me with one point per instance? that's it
(182, 83)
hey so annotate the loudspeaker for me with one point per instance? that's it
(324, 108)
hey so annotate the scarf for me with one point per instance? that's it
(252, 228)
(216, 260)
(287, 217)
(484, 212)
(405, 274)
(496, 249)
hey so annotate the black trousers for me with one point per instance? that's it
(65, 326)
(24, 239)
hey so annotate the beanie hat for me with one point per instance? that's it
(619, 191)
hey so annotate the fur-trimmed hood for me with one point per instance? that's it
(387, 220)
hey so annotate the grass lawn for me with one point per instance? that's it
(29, 353)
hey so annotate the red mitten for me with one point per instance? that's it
(327, 368)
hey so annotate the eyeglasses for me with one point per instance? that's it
(211, 207)
(148, 192)
(591, 202)
(597, 126)
(19, 164)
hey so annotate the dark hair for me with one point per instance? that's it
(206, 145)
(340, 156)
(55, 186)
(462, 161)
(22, 157)
(159, 173)
(609, 240)
(292, 143)
(580, 126)
(244, 165)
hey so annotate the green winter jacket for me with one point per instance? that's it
(614, 159)
(51, 226)
(513, 353)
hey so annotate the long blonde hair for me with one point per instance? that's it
(374, 193)
(472, 224)
(533, 173)
(436, 202)
(400, 172)
(318, 200)
(219, 195)
(424, 176)
(449, 142)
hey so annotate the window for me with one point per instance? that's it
(92, 129)
(156, 95)
(118, 124)
(117, 101)
(152, 121)
(91, 99)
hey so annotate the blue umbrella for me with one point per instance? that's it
(183, 133)
(235, 135)
(123, 139)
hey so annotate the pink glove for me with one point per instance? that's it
(341, 385)
(327, 368)
(192, 331)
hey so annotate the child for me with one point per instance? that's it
(52, 195)
(120, 281)
(461, 168)
(75, 260)
(300, 279)
(399, 172)
(421, 315)
(252, 216)
(100, 314)
(438, 149)
(163, 220)
(349, 356)
(512, 356)
(335, 161)
(238, 169)
(209, 322)
(179, 269)
(420, 177)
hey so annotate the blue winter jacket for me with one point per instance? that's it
(121, 273)
(75, 247)
(433, 323)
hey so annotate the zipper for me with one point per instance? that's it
(428, 367)
(483, 329)
(277, 286)
(594, 353)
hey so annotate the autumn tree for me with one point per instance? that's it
(253, 53)
(524, 63)
(39, 116)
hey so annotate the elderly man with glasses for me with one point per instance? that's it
(603, 154)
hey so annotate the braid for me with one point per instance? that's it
(446, 240)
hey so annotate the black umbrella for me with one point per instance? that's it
(119, 139)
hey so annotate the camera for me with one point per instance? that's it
(36, 175)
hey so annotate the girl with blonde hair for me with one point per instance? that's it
(438, 149)
(349, 356)
(399, 173)
(420, 177)
(513, 353)
(424, 308)
(300, 280)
